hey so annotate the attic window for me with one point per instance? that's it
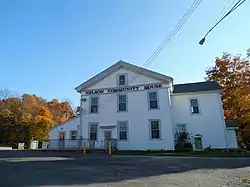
(122, 80)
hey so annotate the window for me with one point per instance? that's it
(194, 106)
(73, 135)
(155, 129)
(93, 132)
(122, 80)
(153, 103)
(122, 102)
(123, 130)
(94, 105)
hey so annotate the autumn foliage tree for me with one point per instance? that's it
(30, 117)
(233, 73)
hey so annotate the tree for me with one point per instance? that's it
(61, 112)
(29, 116)
(5, 94)
(41, 125)
(233, 73)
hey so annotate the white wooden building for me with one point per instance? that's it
(144, 110)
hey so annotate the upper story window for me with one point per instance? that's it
(73, 135)
(94, 105)
(122, 80)
(153, 100)
(155, 129)
(194, 104)
(122, 102)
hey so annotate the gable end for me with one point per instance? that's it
(119, 65)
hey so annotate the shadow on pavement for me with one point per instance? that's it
(19, 170)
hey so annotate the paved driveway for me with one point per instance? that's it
(34, 168)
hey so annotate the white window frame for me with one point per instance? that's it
(71, 136)
(150, 129)
(119, 130)
(118, 102)
(90, 124)
(126, 79)
(90, 104)
(157, 100)
(191, 107)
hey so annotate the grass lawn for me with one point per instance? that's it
(193, 153)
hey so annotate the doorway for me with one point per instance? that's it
(61, 140)
(107, 137)
(198, 143)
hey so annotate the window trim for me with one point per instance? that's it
(118, 130)
(70, 134)
(118, 79)
(190, 106)
(97, 131)
(150, 130)
(90, 98)
(157, 97)
(119, 103)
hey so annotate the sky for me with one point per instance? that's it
(48, 47)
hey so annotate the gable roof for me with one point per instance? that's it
(63, 123)
(197, 87)
(115, 67)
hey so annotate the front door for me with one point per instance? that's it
(198, 143)
(61, 140)
(107, 137)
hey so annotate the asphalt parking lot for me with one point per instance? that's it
(37, 168)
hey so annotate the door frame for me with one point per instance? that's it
(105, 140)
(107, 130)
(197, 149)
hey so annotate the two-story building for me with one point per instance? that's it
(144, 110)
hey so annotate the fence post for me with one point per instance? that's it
(84, 147)
(110, 147)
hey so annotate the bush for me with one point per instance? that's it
(186, 146)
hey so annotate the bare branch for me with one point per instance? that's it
(5, 93)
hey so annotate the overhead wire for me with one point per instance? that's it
(178, 26)
(163, 45)
(237, 4)
(223, 10)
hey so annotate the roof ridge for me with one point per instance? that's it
(194, 82)
(197, 87)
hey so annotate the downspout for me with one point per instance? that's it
(171, 112)
(223, 120)
(81, 121)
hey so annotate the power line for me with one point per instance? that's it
(239, 2)
(223, 10)
(165, 42)
(170, 37)
(163, 45)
